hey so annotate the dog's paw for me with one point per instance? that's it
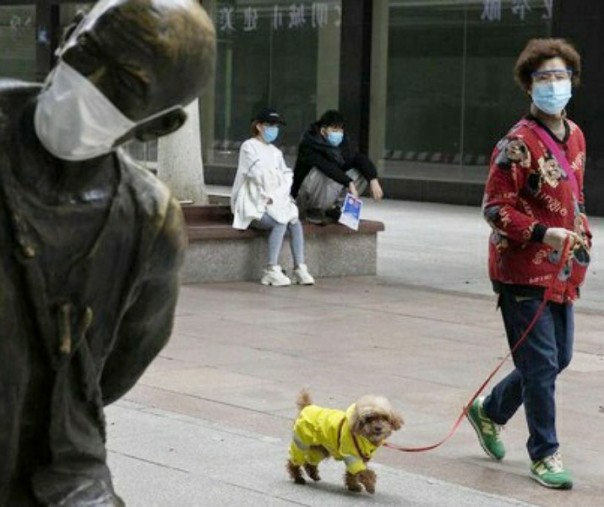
(368, 478)
(352, 483)
(312, 471)
(295, 472)
(355, 488)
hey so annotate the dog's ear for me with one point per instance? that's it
(396, 420)
(355, 421)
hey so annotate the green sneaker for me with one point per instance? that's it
(487, 430)
(550, 472)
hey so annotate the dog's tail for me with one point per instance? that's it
(303, 399)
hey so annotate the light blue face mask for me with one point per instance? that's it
(335, 138)
(270, 133)
(552, 97)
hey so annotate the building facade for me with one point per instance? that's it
(426, 85)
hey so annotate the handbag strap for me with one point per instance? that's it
(555, 151)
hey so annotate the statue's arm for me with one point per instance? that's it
(147, 324)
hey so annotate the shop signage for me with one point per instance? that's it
(292, 16)
(492, 9)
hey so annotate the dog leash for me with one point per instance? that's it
(563, 259)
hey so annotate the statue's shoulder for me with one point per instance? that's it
(152, 196)
(15, 93)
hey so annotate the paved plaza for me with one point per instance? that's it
(209, 422)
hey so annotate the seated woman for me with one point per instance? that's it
(261, 199)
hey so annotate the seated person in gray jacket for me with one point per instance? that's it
(327, 167)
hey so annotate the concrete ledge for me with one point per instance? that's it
(219, 253)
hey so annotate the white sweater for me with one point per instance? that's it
(262, 175)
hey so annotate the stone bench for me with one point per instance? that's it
(219, 253)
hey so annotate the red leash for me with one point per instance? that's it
(563, 259)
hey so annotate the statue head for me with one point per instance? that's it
(147, 58)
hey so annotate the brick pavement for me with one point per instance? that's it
(424, 333)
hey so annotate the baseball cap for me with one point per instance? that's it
(269, 115)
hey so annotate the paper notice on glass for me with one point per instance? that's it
(351, 212)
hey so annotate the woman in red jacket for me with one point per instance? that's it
(534, 203)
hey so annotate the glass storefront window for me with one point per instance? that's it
(276, 53)
(450, 93)
(17, 40)
(18, 37)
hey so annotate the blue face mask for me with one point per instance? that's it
(270, 133)
(335, 138)
(552, 97)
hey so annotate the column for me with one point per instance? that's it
(328, 69)
(355, 68)
(179, 162)
(379, 83)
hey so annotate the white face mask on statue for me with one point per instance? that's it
(74, 120)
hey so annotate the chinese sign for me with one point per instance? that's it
(279, 17)
(521, 9)
(16, 23)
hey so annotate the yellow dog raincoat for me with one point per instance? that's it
(318, 427)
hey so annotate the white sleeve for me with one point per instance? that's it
(249, 163)
(285, 180)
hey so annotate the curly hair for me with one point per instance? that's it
(539, 50)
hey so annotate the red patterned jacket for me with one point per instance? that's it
(526, 192)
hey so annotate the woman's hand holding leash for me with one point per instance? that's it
(556, 236)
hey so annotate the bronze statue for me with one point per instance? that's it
(90, 244)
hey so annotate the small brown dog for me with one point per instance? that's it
(352, 436)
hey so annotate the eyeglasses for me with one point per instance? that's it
(542, 76)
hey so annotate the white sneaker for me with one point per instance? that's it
(273, 275)
(302, 276)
